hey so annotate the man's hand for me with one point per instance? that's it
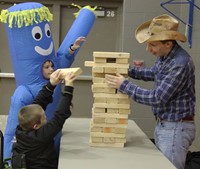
(55, 77)
(114, 81)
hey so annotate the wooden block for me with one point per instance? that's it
(109, 65)
(92, 124)
(99, 110)
(115, 145)
(97, 139)
(98, 120)
(121, 60)
(76, 71)
(105, 85)
(122, 70)
(124, 101)
(102, 75)
(112, 111)
(98, 69)
(124, 111)
(111, 120)
(99, 60)
(96, 129)
(122, 121)
(120, 140)
(119, 130)
(107, 130)
(110, 70)
(109, 140)
(102, 90)
(111, 54)
(98, 80)
(106, 65)
(97, 89)
(109, 115)
(114, 130)
(105, 105)
(100, 100)
(112, 100)
(118, 95)
(98, 134)
(89, 63)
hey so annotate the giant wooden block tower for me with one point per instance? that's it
(111, 108)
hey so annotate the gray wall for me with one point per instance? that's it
(129, 14)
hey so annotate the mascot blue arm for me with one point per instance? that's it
(80, 28)
(31, 44)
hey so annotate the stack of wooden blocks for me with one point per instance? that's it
(111, 108)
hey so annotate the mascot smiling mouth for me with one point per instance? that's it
(44, 52)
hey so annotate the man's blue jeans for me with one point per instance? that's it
(173, 139)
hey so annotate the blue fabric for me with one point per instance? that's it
(173, 139)
(25, 6)
(173, 95)
(28, 55)
(27, 62)
(84, 20)
(17, 101)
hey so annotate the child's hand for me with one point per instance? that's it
(55, 77)
(69, 79)
(77, 43)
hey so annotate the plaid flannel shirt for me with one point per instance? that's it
(173, 95)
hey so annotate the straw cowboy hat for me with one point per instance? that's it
(163, 27)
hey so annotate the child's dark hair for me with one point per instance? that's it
(48, 61)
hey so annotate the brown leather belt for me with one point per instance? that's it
(191, 118)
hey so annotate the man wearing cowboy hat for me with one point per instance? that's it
(173, 96)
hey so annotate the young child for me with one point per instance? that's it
(35, 136)
(48, 66)
(47, 69)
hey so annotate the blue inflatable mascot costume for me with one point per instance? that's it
(31, 44)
